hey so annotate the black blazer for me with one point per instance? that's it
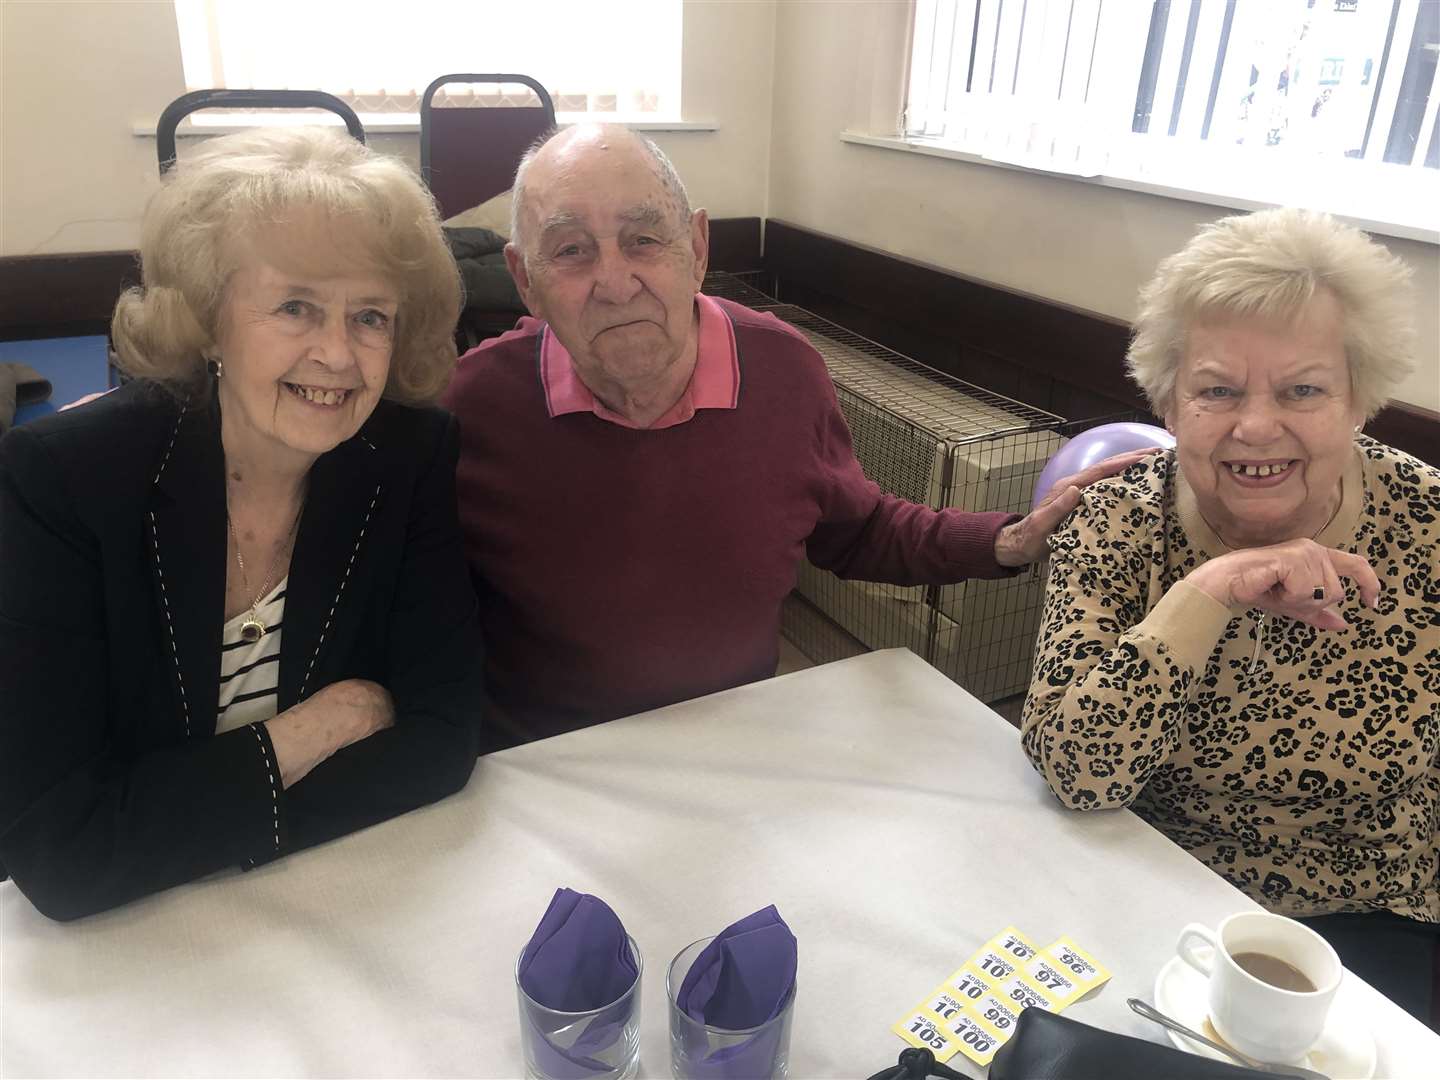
(113, 783)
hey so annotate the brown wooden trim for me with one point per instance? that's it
(974, 316)
(1038, 351)
(735, 244)
(1411, 428)
(62, 295)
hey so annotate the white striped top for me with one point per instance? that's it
(250, 671)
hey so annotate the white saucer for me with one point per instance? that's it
(1345, 1051)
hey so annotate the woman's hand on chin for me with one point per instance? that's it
(342, 713)
(1299, 579)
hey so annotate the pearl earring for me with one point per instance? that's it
(215, 366)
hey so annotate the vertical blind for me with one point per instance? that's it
(1077, 85)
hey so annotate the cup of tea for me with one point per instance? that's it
(1272, 980)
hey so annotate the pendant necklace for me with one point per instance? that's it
(253, 628)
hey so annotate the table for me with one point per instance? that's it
(889, 815)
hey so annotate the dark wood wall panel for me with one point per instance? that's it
(1409, 428)
(735, 244)
(996, 371)
(1046, 354)
(1008, 341)
(44, 296)
(62, 295)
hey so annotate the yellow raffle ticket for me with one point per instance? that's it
(975, 1010)
(925, 1030)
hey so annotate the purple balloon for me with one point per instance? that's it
(1095, 445)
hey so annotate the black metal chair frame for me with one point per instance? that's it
(466, 335)
(184, 105)
(427, 99)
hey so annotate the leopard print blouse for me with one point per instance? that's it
(1303, 767)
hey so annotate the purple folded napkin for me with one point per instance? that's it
(744, 977)
(578, 959)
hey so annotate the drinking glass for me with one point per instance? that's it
(701, 1052)
(601, 1044)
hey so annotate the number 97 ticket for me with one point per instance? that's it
(975, 1010)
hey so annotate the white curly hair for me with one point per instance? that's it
(1269, 265)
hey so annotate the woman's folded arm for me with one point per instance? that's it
(434, 679)
(1111, 680)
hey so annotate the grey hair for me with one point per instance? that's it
(1270, 264)
(669, 178)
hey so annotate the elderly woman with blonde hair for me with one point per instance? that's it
(1241, 637)
(235, 619)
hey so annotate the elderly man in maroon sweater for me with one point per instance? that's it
(642, 467)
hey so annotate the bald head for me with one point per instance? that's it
(608, 253)
(602, 151)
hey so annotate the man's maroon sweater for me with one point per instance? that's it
(620, 570)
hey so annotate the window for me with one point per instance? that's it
(379, 55)
(1327, 103)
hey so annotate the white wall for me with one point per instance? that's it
(76, 76)
(838, 65)
(727, 77)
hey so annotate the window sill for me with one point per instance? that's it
(379, 123)
(1370, 218)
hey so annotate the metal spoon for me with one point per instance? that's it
(1149, 1012)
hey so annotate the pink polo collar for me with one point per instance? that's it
(715, 383)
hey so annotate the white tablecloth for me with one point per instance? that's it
(891, 817)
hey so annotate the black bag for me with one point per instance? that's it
(1050, 1047)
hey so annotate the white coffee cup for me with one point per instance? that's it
(1256, 1017)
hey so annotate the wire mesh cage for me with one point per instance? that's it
(937, 440)
(744, 288)
(933, 439)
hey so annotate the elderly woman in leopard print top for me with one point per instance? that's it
(1241, 637)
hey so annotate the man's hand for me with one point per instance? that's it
(1024, 542)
